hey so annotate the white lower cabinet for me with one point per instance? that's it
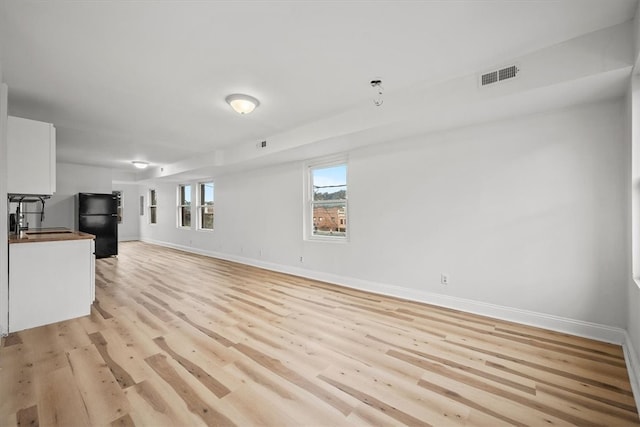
(50, 282)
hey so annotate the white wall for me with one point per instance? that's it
(4, 250)
(71, 179)
(632, 134)
(129, 229)
(633, 292)
(527, 213)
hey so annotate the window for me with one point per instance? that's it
(184, 206)
(118, 195)
(205, 205)
(153, 219)
(328, 201)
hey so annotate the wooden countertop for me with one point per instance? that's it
(48, 235)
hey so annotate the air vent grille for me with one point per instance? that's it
(499, 75)
(489, 78)
(507, 73)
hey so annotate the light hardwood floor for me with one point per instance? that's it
(181, 339)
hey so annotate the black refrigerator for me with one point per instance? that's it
(98, 215)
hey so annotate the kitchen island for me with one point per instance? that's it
(51, 277)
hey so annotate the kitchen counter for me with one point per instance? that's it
(52, 279)
(56, 234)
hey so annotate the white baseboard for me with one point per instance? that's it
(127, 238)
(633, 365)
(560, 324)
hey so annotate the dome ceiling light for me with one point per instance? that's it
(140, 164)
(242, 104)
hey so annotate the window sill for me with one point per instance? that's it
(339, 240)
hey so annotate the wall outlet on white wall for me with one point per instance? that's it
(301, 259)
(444, 278)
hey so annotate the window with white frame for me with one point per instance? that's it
(153, 207)
(205, 206)
(118, 195)
(326, 215)
(184, 206)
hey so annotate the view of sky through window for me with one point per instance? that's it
(207, 197)
(329, 205)
(186, 195)
(330, 180)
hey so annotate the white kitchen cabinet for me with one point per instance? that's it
(50, 282)
(31, 157)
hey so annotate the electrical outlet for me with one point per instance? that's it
(301, 259)
(444, 278)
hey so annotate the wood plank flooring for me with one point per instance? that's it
(177, 339)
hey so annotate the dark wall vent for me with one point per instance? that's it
(500, 75)
(489, 78)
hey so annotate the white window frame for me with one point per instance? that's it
(120, 205)
(153, 205)
(181, 206)
(309, 203)
(201, 205)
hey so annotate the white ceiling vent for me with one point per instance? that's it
(500, 75)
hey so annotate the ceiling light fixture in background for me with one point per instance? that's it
(242, 104)
(140, 164)
(376, 84)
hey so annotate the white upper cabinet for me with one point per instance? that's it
(31, 157)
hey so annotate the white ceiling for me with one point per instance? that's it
(147, 80)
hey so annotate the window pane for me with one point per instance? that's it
(328, 214)
(118, 195)
(330, 218)
(206, 213)
(152, 196)
(185, 194)
(329, 183)
(152, 215)
(206, 193)
(185, 216)
(205, 208)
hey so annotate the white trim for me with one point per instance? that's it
(200, 205)
(149, 206)
(327, 161)
(180, 206)
(632, 361)
(309, 203)
(120, 205)
(581, 328)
